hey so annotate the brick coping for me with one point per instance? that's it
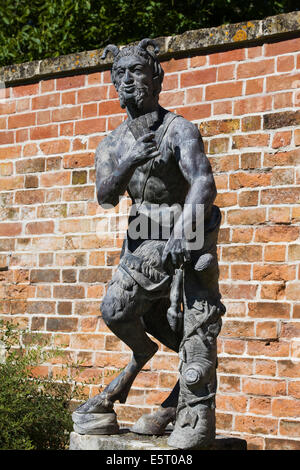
(224, 36)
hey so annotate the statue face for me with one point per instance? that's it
(134, 81)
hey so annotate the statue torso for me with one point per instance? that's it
(165, 182)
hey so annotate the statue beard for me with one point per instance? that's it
(135, 99)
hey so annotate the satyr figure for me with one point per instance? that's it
(165, 285)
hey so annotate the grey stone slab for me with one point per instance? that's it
(127, 440)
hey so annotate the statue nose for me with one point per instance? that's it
(128, 76)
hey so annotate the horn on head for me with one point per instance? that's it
(144, 43)
(110, 48)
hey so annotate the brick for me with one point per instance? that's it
(79, 193)
(69, 113)
(279, 444)
(263, 387)
(35, 196)
(237, 329)
(282, 47)
(6, 169)
(238, 291)
(21, 120)
(43, 117)
(248, 198)
(175, 65)
(267, 348)
(294, 388)
(275, 253)
(273, 272)
(46, 101)
(9, 183)
(234, 347)
(260, 406)
(251, 123)
(250, 140)
(61, 324)
(265, 367)
(288, 368)
(79, 160)
(10, 229)
(41, 307)
(33, 165)
(62, 178)
(286, 407)
(248, 253)
(250, 160)
(226, 72)
(198, 77)
(222, 107)
(281, 119)
(269, 310)
(55, 146)
(241, 272)
(37, 228)
(226, 199)
(279, 215)
(170, 99)
(237, 366)
(256, 425)
(255, 68)
(253, 105)
(292, 291)
(90, 126)
(254, 87)
(44, 132)
(218, 145)
(229, 383)
(195, 112)
(44, 275)
(224, 421)
(294, 252)
(237, 404)
(281, 139)
(246, 216)
(289, 428)
(249, 180)
(223, 90)
(273, 291)
(70, 82)
(228, 56)
(25, 90)
(68, 292)
(220, 126)
(276, 234)
(6, 137)
(95, 275)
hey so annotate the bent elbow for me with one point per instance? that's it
(106, 201)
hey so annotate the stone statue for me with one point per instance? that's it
(163, 286)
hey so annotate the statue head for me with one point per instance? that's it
(136, 72)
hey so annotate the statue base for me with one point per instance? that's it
(127, 440)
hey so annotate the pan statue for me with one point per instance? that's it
(166, 284)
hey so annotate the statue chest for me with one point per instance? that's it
(157, 183)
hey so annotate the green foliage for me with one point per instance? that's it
(48, 28)
(34, 411)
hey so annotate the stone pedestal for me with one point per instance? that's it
(127, 440)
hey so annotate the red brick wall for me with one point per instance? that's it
(246, 104)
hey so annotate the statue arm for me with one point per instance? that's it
(189, 152)
(111, 178)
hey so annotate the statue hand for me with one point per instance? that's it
(175, 253)
(143, 150)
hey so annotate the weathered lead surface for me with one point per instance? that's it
(190, 41)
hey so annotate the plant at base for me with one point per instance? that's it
(34, 410)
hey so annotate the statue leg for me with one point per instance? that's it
(195, 414)
(157, 325)
(122, 309)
